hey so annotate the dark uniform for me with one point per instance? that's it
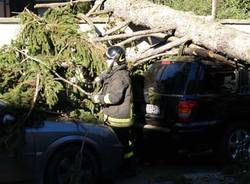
(116, 98)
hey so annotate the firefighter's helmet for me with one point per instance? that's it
(117, 54)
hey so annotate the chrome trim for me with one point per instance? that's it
(187, 124)
(153, 127)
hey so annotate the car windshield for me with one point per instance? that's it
(169, 78)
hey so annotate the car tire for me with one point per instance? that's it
(235, 144)
(62, 169)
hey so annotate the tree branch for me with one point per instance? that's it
(161, 49)
(126, 35)
(99, 12)
(116, 28)
(170, 53)
(34, 98)
(55, 73)
(90, 22)
(135, 38)
(98, 3)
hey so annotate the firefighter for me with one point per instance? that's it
(116, 99)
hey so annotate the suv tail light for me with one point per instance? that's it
(185, 109)
(165, 62)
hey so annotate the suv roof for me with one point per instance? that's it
(209, 62)
(186, 75)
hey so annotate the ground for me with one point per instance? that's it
(157, 165)
(192, 172)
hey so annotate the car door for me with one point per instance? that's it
(217, 88)
(18, 166)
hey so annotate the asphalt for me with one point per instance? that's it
(162, 164)
(193, 171)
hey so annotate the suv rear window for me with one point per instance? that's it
(170, 78)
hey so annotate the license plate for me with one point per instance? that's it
(152, 109)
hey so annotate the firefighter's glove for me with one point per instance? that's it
(101, 77)
(98, 80)
(95, 98)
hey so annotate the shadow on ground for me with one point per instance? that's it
(158, 162)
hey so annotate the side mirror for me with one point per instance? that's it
(8, 119)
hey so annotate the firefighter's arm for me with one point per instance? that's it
(114, 96)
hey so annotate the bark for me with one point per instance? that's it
(198, 51)
(212, 35)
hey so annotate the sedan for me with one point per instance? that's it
(58, 152)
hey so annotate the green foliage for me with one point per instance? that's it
(238, 9)
(55, 41)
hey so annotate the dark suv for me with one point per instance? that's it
(201, 104)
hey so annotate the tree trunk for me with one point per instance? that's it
(212, 35)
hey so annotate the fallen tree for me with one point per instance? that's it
(211, 35)
(52, 47)
(50, 63)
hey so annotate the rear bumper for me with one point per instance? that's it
(187, 134)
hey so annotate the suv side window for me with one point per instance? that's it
(172, 78)
(217, 82)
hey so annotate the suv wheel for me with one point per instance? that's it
(236, 143)
(63, 167)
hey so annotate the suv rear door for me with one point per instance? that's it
(216, 87)
(165, 85)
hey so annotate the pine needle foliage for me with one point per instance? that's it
(55, 41)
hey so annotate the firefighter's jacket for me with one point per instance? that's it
(116, 97)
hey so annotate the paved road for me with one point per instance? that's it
(157, 165)
(192, 171)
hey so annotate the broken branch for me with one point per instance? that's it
(133, 39)
(161, 49)
(170, 53)
(98, 3)
(116, 28)
(90, 22)
(126, 35)
(34, 98)
(99, 12)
